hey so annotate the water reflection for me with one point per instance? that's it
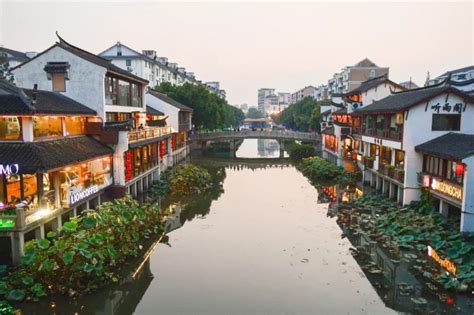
(391, 274)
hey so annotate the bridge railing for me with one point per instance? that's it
(277, 134)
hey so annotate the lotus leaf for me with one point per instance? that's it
(16, 295)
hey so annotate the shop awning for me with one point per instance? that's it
(43, 156)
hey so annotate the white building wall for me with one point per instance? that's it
(467, 218)
(417, 130)
(168, 109)
(378, 93)
(86, 79)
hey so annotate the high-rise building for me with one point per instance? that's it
(262, 94)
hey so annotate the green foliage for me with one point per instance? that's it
(302, 116)
(189, 179)
(415, 227)
(209, 110)
(86, 252)
(254, 113)
(5, 74)
(6, 308)
(299, 151)
(323, 173)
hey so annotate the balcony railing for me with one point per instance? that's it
(21, 218)
(148, 133)
(184, 127)
(383, 133)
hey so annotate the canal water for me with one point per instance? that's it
(259, 243)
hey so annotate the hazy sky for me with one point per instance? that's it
(249, 45)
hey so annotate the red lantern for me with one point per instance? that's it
(148, 117)
(128, 165)
(459, 169)
(162, 148)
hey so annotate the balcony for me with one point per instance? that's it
(148, 133)
(383, 133)
(184, 127)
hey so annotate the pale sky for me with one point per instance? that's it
(250, 45)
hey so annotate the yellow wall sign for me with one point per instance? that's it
(445, 263)
(447, 188)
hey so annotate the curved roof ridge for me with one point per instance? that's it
(421, 88)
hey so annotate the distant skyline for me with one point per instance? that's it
(251, 45)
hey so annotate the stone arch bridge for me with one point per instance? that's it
(235, 138)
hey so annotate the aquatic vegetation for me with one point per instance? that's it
(323, 173)
(86, 253)
(414, 227)
(299, 151)
(189, 179)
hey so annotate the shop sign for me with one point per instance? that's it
(9, 169)
(447, 188)
(77, 196)
(445, 263)
(447, 107)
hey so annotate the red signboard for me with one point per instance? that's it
(128, 165)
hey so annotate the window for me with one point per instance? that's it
(59, 82)
(128, 62)
(446, 122)
(75, 125)
(399, 158)
(110, 116)
(47, 127)
(10, 128)
(372, 73)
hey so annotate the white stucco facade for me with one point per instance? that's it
(85, 83)
(171, 111)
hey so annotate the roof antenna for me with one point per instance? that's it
(427, 78)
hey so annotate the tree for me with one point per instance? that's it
(254, 113)
(209, 110)
(302, 116)
(5, 74)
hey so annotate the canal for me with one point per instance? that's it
(259, 243)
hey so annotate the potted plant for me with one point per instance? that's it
(369, 161)
(388, 170)
(399, 174)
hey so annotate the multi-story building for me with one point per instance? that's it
(352, 76)
(338, 143)
(84, 136)
(284, 98)
(48, 164)
(410, 132)
(457, 75)
(322, 92)
(214, 87)
(462, 79)
(271, 104)
(299, 95)
(147, 65)
(262, 94)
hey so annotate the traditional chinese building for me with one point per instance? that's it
(392, 127)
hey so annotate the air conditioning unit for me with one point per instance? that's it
(355, 105)
(129, 69)
(324, 124)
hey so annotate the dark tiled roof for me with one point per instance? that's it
(325, 113)
(119, 125)
(372, 83)
(328, 131)
(18, 55)
(98, 60)
(152, 111)
(169, 100)
(453, 146)
(91, 58)
(402, 101)
(42, 156)
(341, 111)
(14, 100)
